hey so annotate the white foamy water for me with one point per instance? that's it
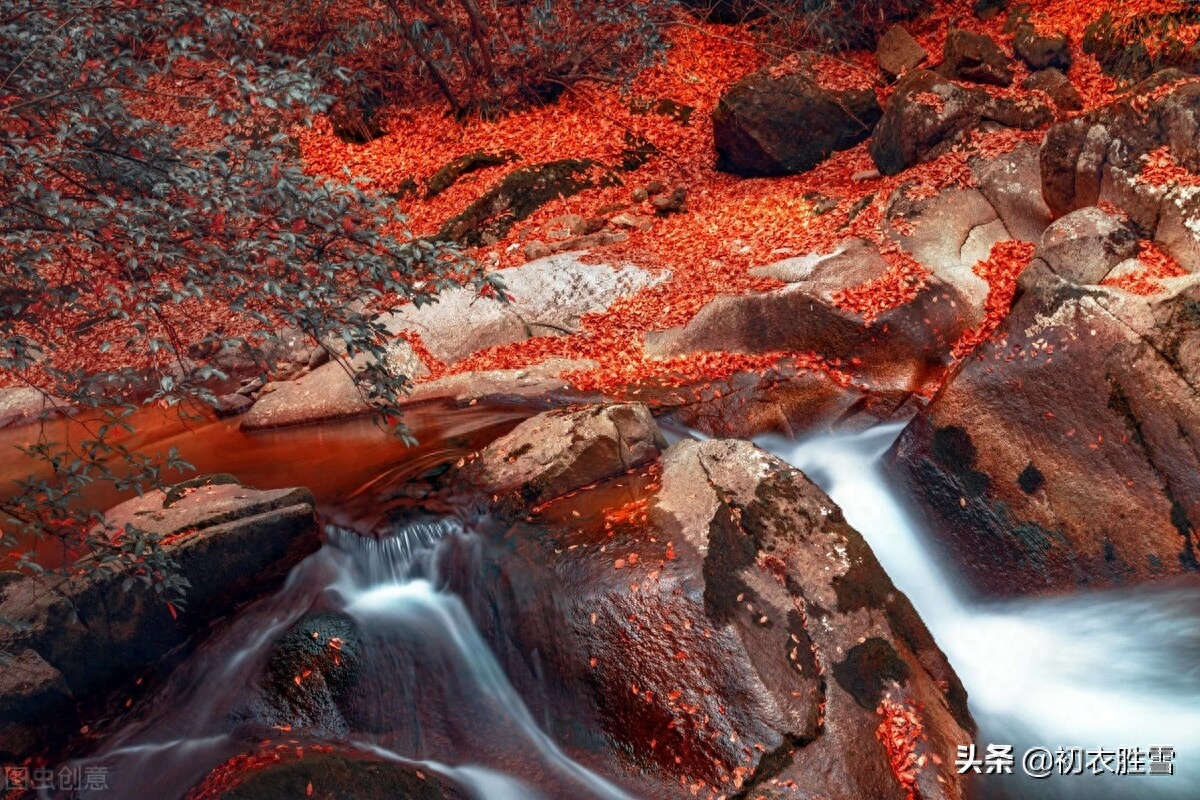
(1112, 669)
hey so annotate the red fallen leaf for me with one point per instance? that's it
(348, 225)
(308, 790)
(174, 613)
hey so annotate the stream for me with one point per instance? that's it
(1111, 669)
(1106, 669)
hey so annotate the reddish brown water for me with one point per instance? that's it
(339, 461)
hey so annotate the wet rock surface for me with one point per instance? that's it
(1061, 454)
(101, 629)
(735, 636)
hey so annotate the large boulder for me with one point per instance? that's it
(104, 627)
(975, 57)
(901, 348)
(781, 124)
(546, 297)
(1061, 454)
(927, 113)
(560, 451)
(1083, 247)
(734, 633)
(1057, 86)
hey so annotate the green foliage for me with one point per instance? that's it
(115, 222)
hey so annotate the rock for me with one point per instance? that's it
(1058, 86)
(1042, 52)
(329, 392)
(674, 203)
(448, 175)
(560, 451)
(548, 298)
(312, 668)
(1011, 183)
(24, 404)
(948, 234)
(633, 222)
(231, 543)
(230, 405)
(519, 194)
(37, 710)
(734, 630)
(975, 57)
(326, 776)
(542, 383)
(767, 125)
(854, 262)
(1060, 455)
(591, 240)
(1084, 159)
(901, 349)
(927, 112)
(640, 195)
(898, 52)
(1083, 246)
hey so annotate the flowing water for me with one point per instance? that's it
(1109, 669)
(438, 699)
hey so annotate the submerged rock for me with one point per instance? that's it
(330, 776)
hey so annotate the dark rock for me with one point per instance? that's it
(767, 125)
(37, 710)
(1061, 454)
(1042, 52)
(989, 9)
(898, 52)
(975, 57)
(448, 175)
(519, 194)
(927, 112)
(335, 777)
(1058, 86)
(231, 544)
(557, 452)
(312, 668)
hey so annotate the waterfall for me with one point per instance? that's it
(1102, 669)
(421, 652)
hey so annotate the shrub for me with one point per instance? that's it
(120, 226)
(478, 57)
